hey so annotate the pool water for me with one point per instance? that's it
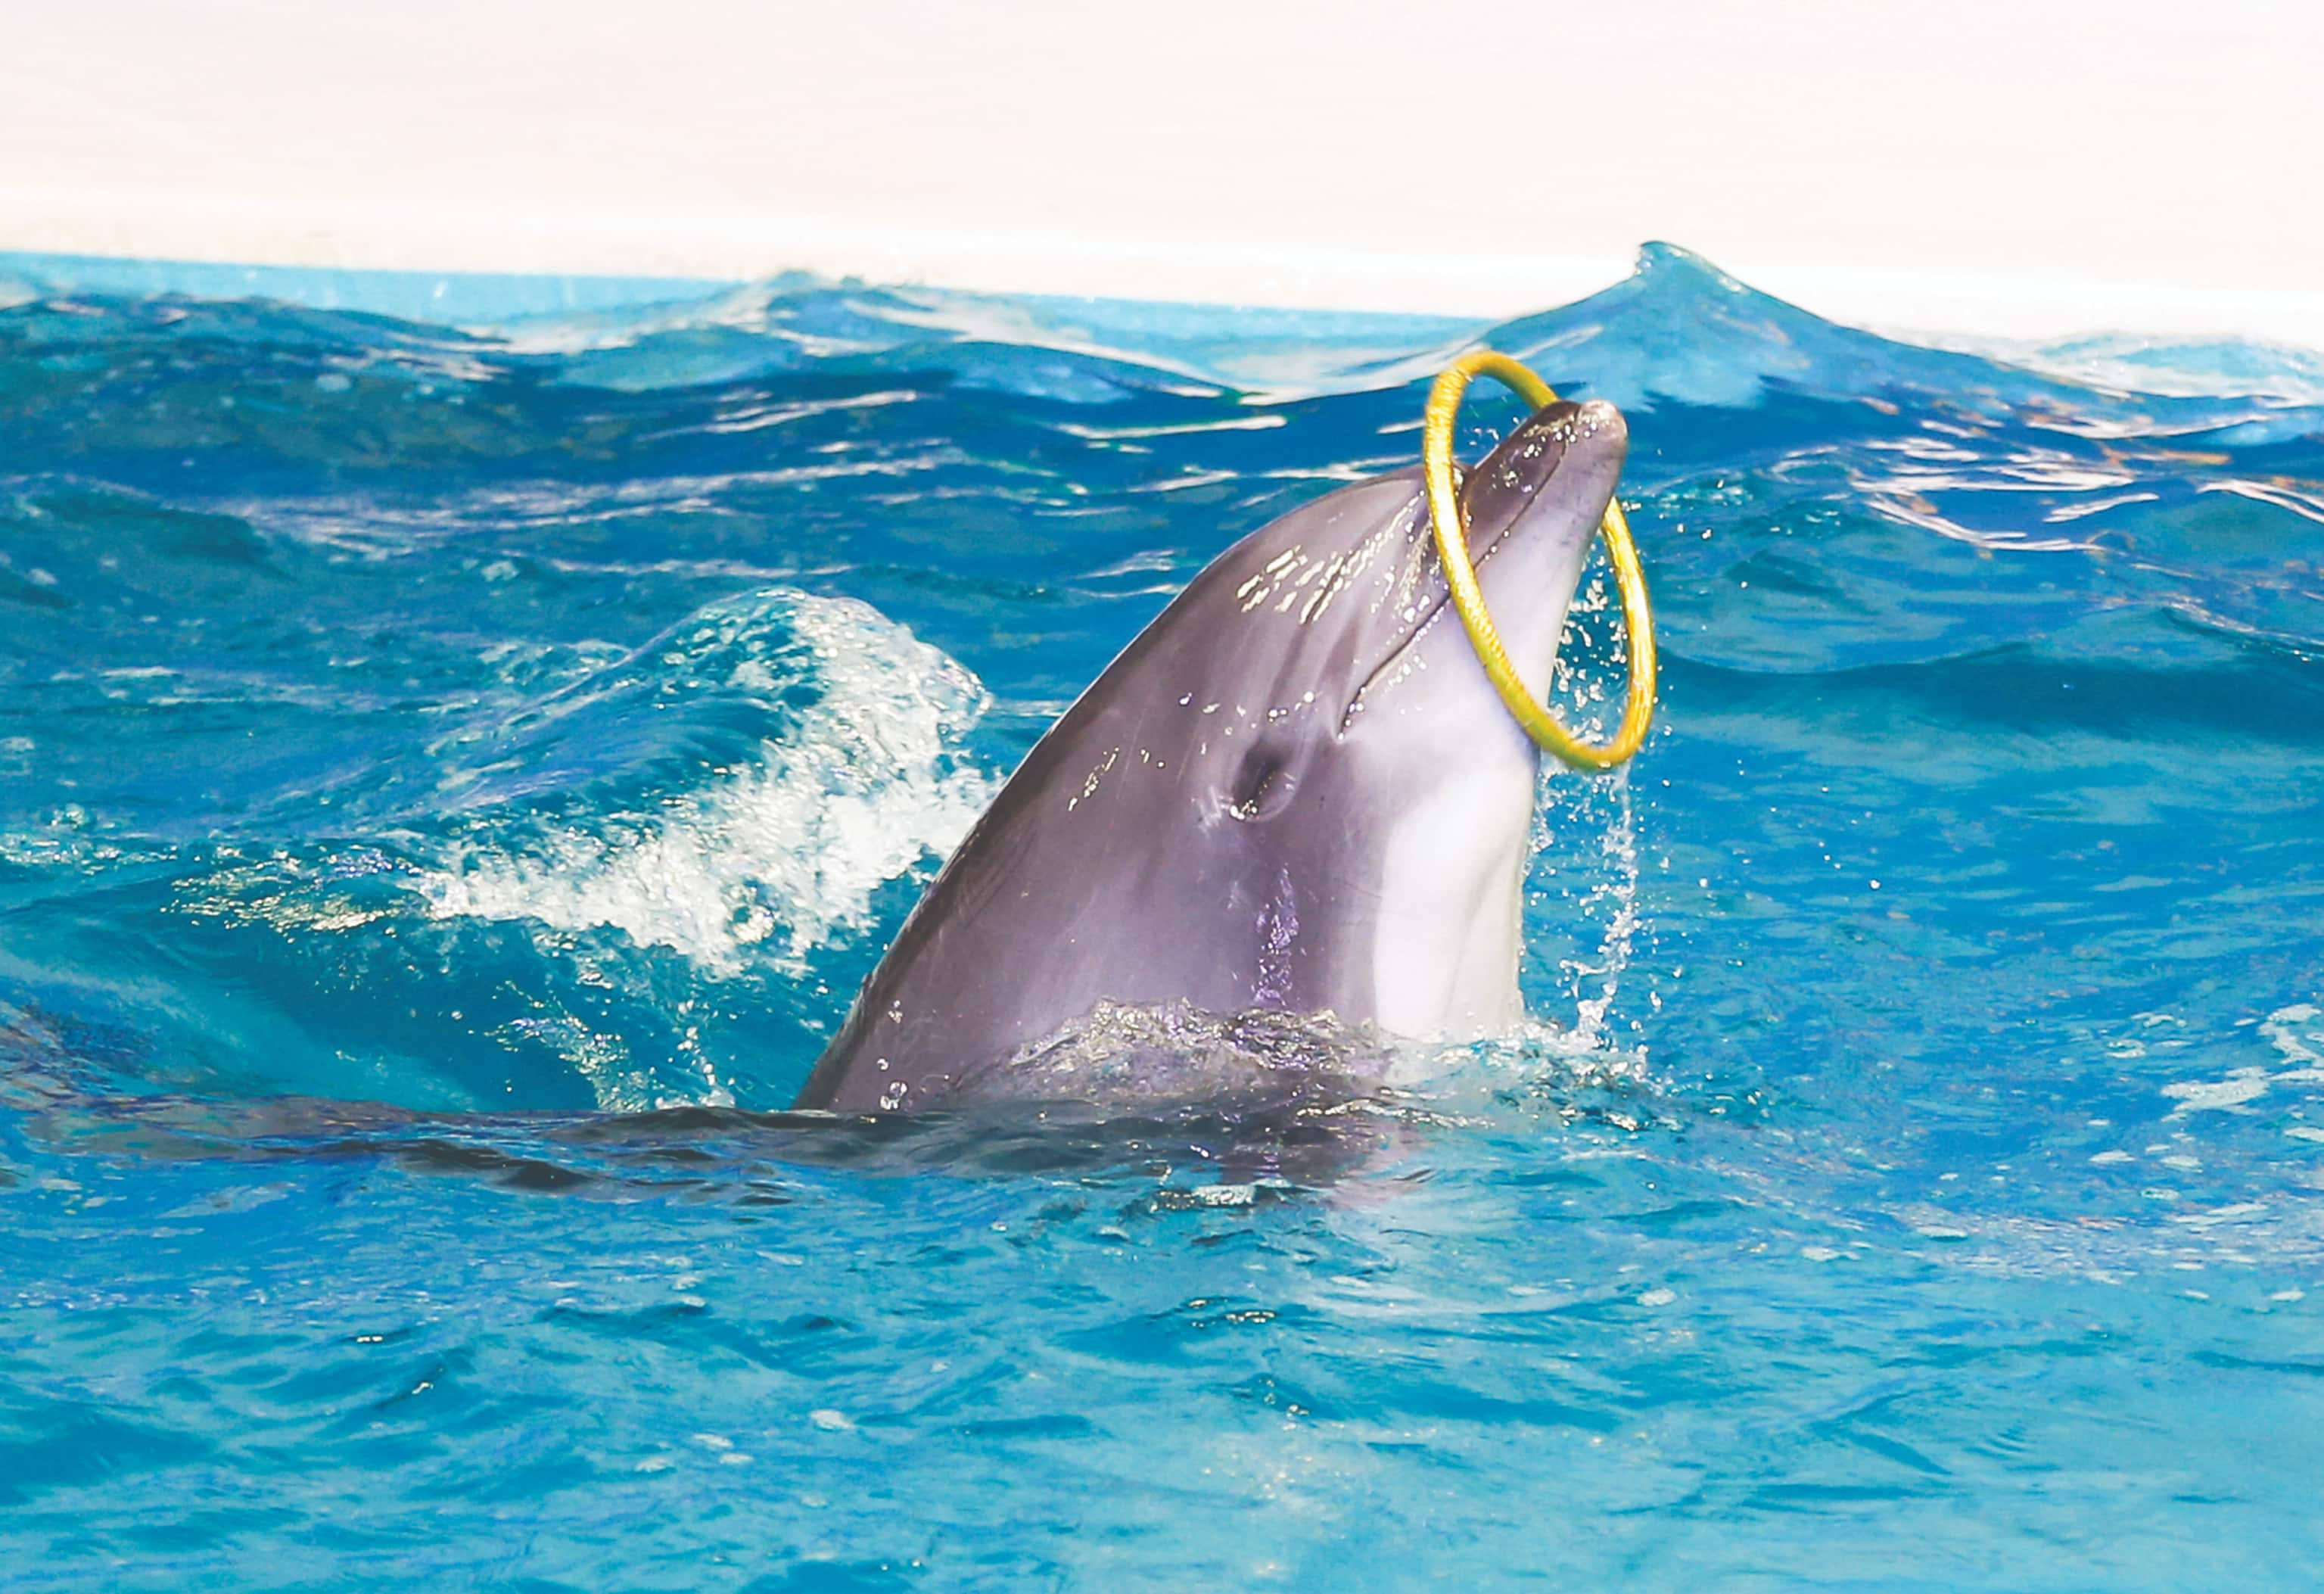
(453, 780)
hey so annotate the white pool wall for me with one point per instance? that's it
(2028, 169)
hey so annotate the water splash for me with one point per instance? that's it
(774, 859)
(1584, 850)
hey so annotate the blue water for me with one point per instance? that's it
(452, 781)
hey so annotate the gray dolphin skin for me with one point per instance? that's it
(1295, 790)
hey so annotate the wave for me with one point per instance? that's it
(1678, 329)
(778, 852)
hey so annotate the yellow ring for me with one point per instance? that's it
(1469, 598)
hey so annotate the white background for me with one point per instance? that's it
(2033, 168)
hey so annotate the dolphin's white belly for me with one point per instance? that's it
(1444, 958)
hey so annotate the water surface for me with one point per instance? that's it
(453, 778)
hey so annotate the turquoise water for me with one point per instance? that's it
(452, 781)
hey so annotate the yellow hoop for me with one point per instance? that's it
(1469, 598)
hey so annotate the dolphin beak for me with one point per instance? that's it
(1539, 498)
(1532, 507)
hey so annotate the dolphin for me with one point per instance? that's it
(1296, 791)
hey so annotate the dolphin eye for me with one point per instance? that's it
(1262, 784)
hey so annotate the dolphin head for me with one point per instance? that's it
(1352, 709)
(1295, 790)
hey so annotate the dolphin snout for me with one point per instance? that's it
(1594, 416)
(1564, 468)
(1568, 460)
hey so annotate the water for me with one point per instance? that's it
(454, 781)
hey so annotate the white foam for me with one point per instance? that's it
(2298, 1033)
(774, 860)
